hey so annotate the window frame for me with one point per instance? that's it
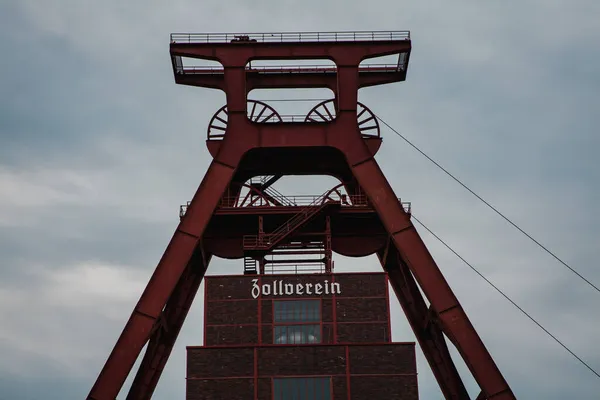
(317, 323)
(327, 378)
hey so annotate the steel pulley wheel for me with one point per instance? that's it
(325, 111)
(258, 111)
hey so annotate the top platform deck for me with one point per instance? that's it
(236, 50)
(291, 37)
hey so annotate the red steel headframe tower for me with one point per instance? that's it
(339, 138)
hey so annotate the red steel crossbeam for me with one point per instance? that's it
(239, 55)
(290, 77)
(406, 259)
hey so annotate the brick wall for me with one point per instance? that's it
(240, 360)
(386, 371)
(359, 313)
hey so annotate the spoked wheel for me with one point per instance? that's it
(250, 196)
(339, 193)
(257, 112)
(325, 111)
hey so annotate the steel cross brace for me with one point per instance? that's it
(171, 287)
(429, 335)
(172, 318)
(413, 253)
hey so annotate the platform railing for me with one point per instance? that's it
(292, 268)
(278, 196)
(297, 201)
(292, 69)
(306, 200)
(283, 37)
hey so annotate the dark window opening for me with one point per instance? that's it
(302, 388)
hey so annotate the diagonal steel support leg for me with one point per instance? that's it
(167, 330)
(168, 273)
(428, 333)
(415, 255)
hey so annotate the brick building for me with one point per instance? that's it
(299, 337)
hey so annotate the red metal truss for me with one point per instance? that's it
(167, 328)
(368, 219)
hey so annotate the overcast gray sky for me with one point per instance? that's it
(98, 147)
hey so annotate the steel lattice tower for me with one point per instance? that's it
(252, 147)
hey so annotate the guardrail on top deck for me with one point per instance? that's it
(291, 69)
(281, 37)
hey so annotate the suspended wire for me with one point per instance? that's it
(490, 206)
(465, 261)
(470, 191)
(504, 295)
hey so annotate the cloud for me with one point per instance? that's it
(98, 147)
(66, 306)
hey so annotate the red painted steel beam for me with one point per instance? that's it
(343, 134)
(162, 341)
(201, 80)
(413, 261)
(429, 335)
(292, 161)
(453, 319)
(168, 273)
(248, 135)
(405, 238)
(353, 158)
(283, 81)
(342, 53)
(368, 79)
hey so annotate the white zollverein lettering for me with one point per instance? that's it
(280, 288)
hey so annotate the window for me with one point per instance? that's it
(297, 321)
(297, 311)
(302, 388)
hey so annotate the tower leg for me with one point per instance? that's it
(428, 333)
(163, 339)
(168, 273)
(444, 304)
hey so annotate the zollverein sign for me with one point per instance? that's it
(280, 288)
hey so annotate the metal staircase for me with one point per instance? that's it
(264, 185)
(267, 241)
